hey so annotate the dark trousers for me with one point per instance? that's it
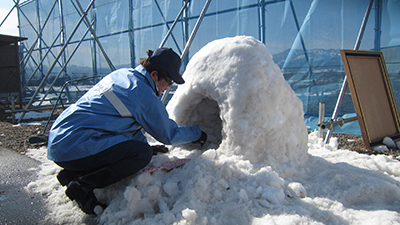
(123, 159)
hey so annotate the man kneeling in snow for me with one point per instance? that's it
(98, 140)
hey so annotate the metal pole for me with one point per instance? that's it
(189, 43)
(303, 45)
(363, 25)
(321, 119)
(195, 29)
(62, 30)
(131, 34)
(93, 46)
(55, 61)
(378, 25)
(173, 24)
(95, 37)
(41, 61)
(185, 29)
(39, 33)
(339, 122)
(344, 85)
(65, 64)
(12, 109)
(39, 37)
(262, 21)
(8, 14)
(59, 98)
(28, 54)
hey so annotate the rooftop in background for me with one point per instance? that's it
(8, 39)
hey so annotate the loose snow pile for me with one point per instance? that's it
(258, 167)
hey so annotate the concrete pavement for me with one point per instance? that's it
(17, 206)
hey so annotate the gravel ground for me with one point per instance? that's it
(16, 137)
(356, 143)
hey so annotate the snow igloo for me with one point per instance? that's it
(236, 94)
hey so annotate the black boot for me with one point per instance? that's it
(85, 197)
(65, 176)
(81, 189)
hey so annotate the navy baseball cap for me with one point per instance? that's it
(167, 59)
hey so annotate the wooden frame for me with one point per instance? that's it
(372, 95)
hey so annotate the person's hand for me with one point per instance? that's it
(159, 148)
(202, 139)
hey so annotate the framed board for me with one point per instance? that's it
(372, 95)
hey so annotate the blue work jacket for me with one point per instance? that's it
(93, 123)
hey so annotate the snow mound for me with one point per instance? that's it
(238, 96)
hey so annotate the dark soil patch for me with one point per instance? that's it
(356, 143)
(16, 137)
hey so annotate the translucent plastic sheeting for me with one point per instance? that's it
(304, 37)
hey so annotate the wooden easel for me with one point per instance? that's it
(372, 95)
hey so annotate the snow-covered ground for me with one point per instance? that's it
(259, 165)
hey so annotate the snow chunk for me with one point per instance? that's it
(189, 214)
(243, 196)
(171, 188)
(274, 196)
(209, 154)
(298, 189)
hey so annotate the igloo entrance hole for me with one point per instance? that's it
(206, 115)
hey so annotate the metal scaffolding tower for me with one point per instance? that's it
(74, 39)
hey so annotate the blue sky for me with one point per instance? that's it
(10, 26)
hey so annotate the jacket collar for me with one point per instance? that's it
(146, 74)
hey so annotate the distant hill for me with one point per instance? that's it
(317, 58)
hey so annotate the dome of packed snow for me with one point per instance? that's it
(237, 94)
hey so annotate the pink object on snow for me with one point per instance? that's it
(168, 165)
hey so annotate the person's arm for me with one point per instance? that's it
(154, 118)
